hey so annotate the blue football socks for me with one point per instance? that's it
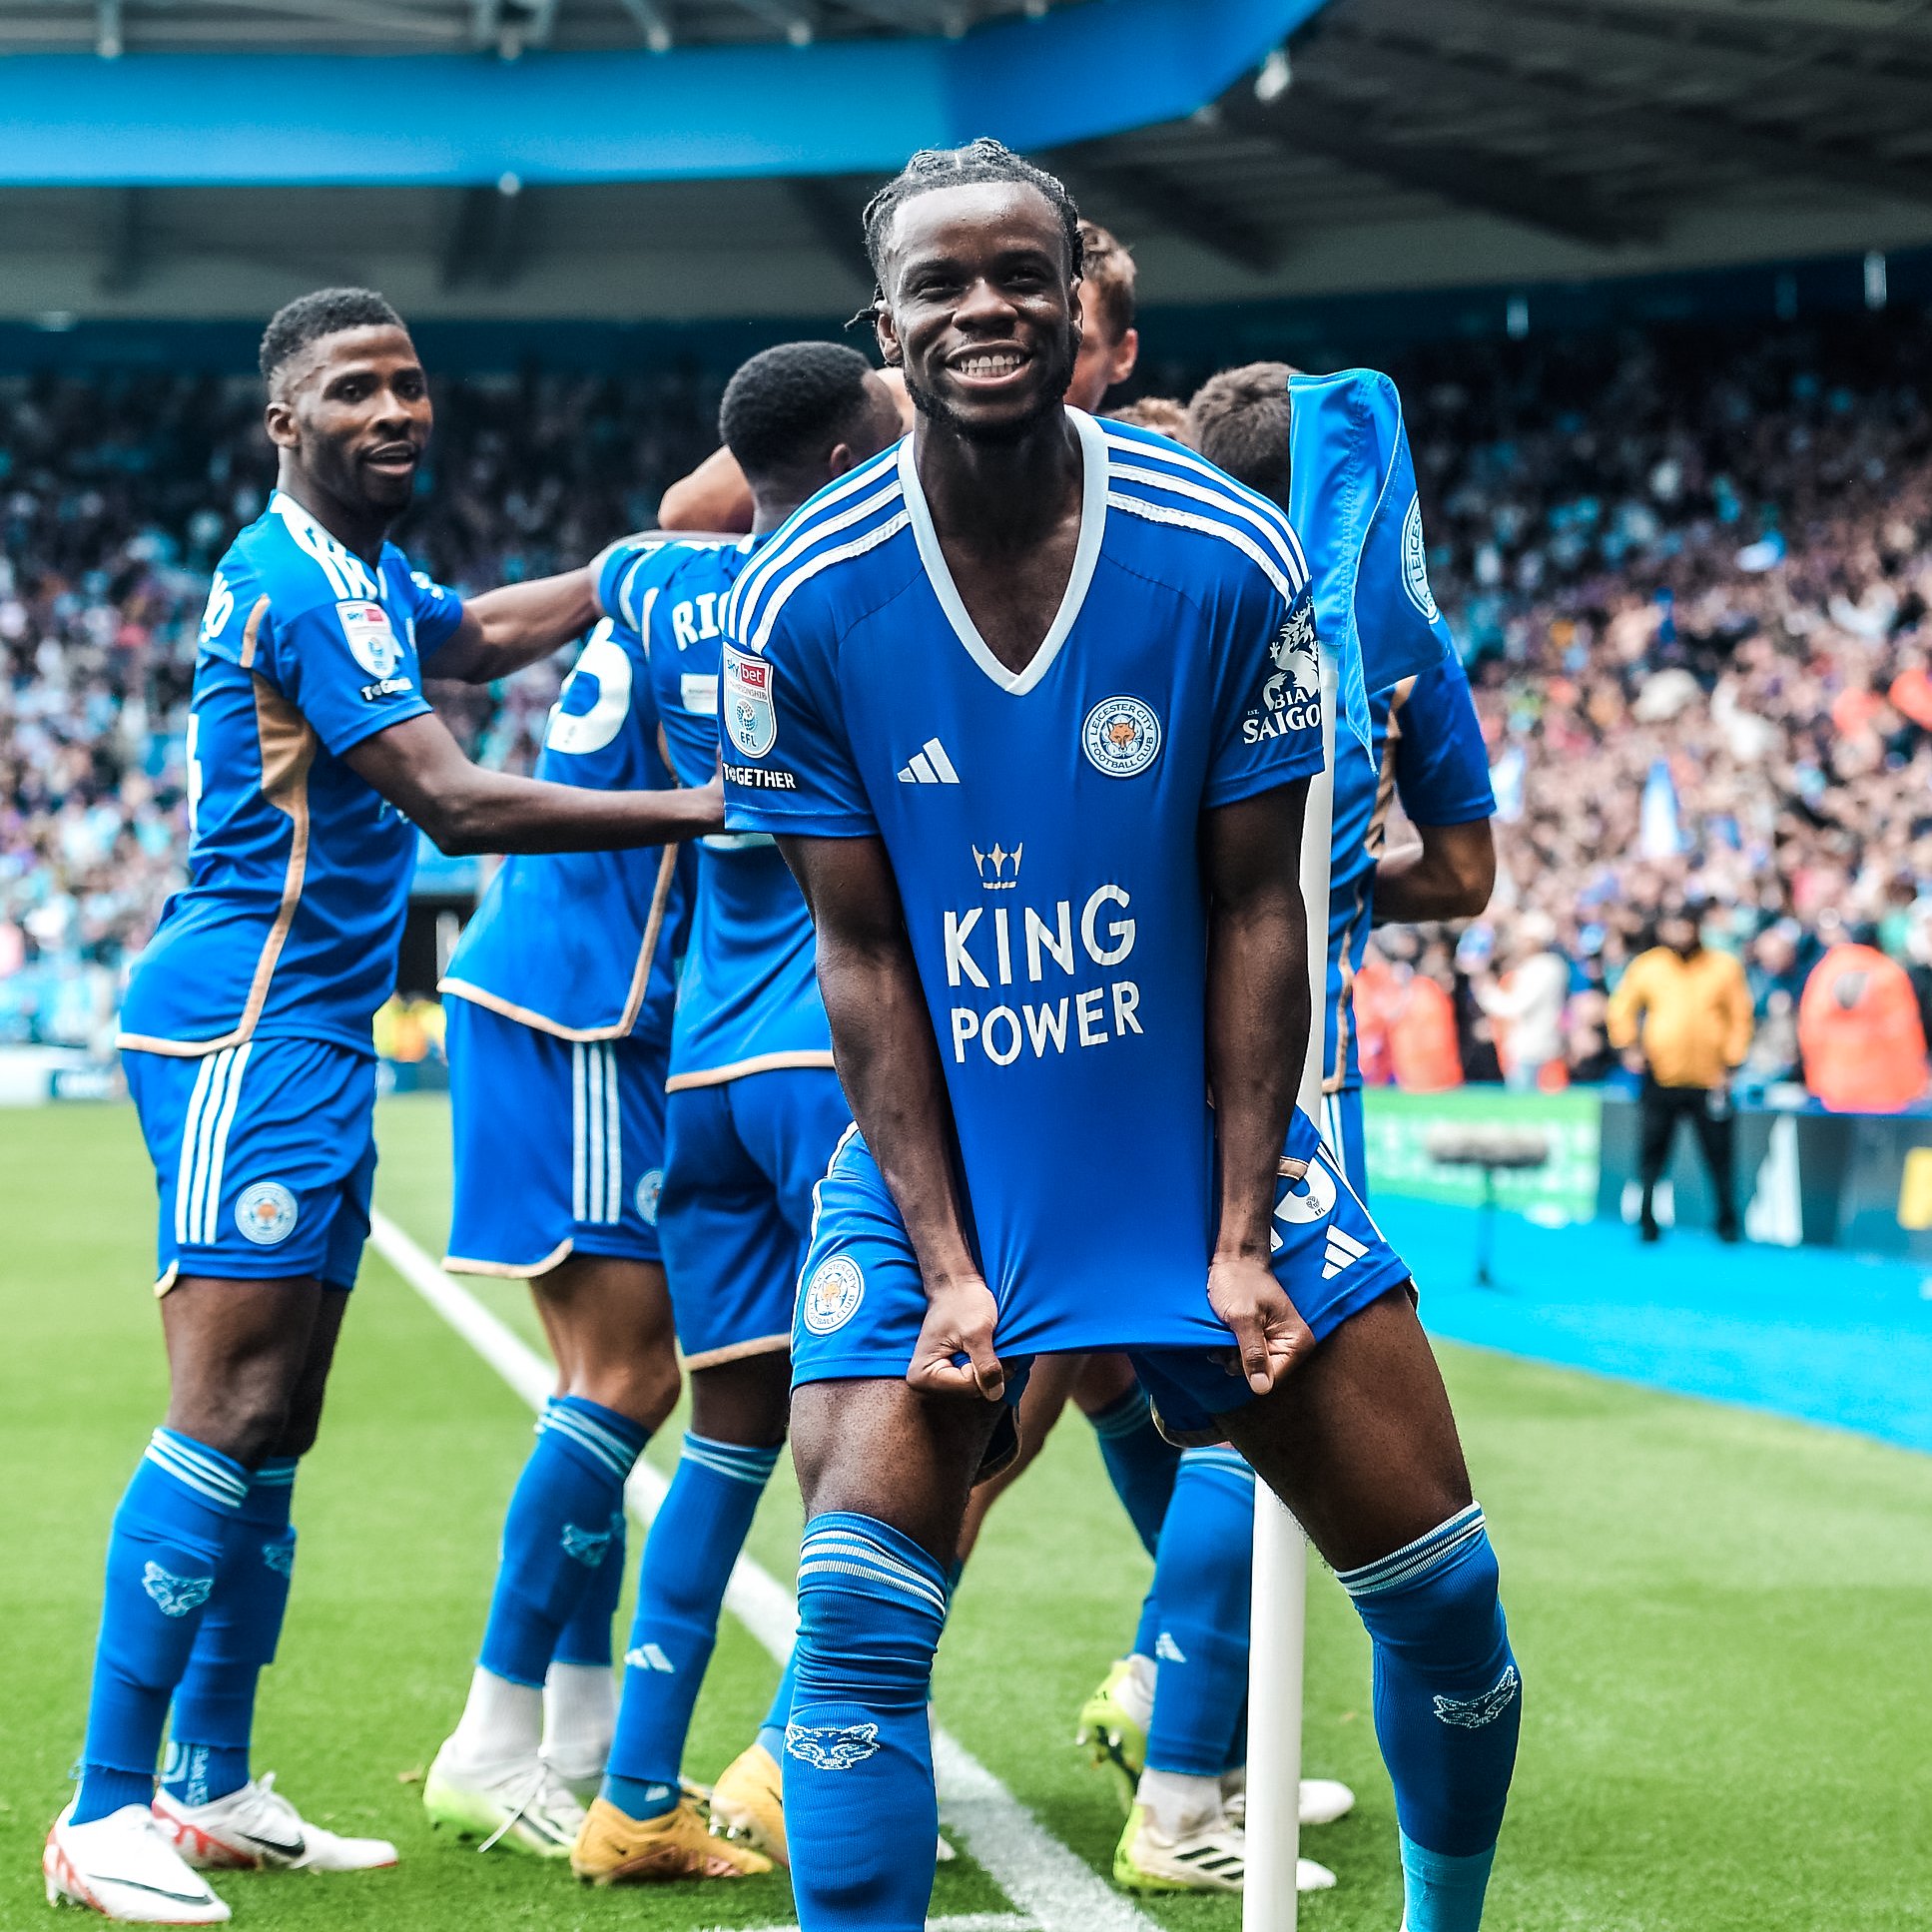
(771, 1734)
(1448, 1706)
(585, 1636)
(1202, 1575)
(164, 1553)
(207, 1746)
(1141, 1463)
(861, 1814)
(565, 1514)
(687, 1557)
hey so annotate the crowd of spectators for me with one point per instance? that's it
(1691, 574)
(118, 495)
(1690, 570)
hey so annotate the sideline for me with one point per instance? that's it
(1055, 1890)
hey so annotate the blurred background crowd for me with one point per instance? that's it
(1690, 572)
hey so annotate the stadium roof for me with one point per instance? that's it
(506, 27)
(1390, 144)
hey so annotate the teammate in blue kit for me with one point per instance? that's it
(753, 1113)
(1032, 703)
(559, 1025)
(1168, 1719)
(312, 759)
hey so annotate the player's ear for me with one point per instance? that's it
(280, 421)
(886, 331)
(840, 461)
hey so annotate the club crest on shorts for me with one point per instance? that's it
(1415, 563)
(266, 1213)
(1121, 737)
(832, 1295)
(749, 717)
(650, 1190)
(373, 641)
(832, 1747)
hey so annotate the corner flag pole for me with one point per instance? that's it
(1278, 1611)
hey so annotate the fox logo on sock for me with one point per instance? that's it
(1472, 1714)
(175, 1595)
(280, 1556)
(586, 1547)
(832, 1747)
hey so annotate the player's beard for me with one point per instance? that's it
(1059, 374)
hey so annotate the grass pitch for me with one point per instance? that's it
(1721, 1615)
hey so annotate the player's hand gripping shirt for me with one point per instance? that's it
(583, 944)
(1043, 828)
(749, 1001)
(297, 871)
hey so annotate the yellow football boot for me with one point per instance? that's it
(612, 1849)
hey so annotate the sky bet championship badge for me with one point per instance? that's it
(748, 712)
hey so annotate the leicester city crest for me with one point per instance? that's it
(650, 1190)
(1121, 737)
(266, 1213)
(832, 1295)
(1415, 563)
(746, 708)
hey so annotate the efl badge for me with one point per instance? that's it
(1415, 563)
(748, 713)
(650, 1190)
(832, 1295)
(266, 1213)
(372, 639)
(1121, 737)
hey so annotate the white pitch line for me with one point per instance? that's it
(1055, 1890)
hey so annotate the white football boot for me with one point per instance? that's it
(1323, 1800)
(257, 1829)
(522, 1806)
(124, 1867)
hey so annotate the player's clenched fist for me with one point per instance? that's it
(960, 1318)
(1270, 1336)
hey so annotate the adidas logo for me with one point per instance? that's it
(649, 1656)
(1167, 1651)
(929, 766)
(1343, 1251)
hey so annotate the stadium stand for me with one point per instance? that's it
(1690, 568)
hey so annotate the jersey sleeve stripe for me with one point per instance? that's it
(1271, 527)
(1264, 559)
(824, 560)
(813, 524)
(1178, 458)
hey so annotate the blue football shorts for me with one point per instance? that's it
(1343, 1135)
(559, 1145)
(861, 1302)
(741, 1161)
(264, 1160)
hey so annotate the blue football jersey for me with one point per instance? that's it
(749, 998)
(297, 871)
(1426, 750)
(1043, 828)
(583, 944)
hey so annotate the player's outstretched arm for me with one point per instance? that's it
(1257, 1041)
(889, 1062)
(1450, 875)
(420, 768)
(504, 629)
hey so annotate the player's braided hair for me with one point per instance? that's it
(789, 405)
(983, 159)
(324, 311)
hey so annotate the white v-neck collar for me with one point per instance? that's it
(1086, 553)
